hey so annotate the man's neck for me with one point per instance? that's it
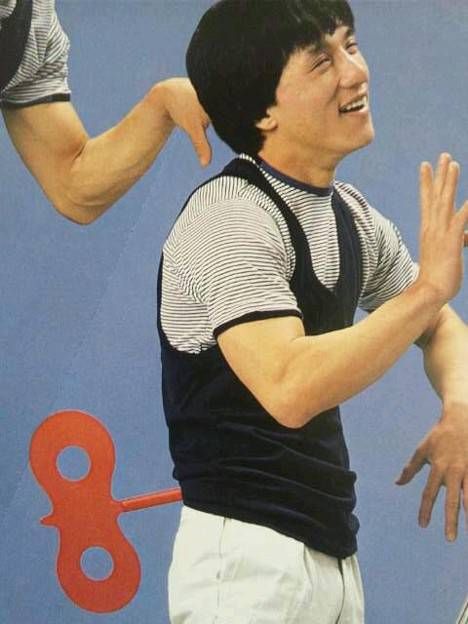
(309, 171)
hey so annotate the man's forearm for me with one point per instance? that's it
(446, 358)
(297, 377)
(329, 369)
(111, 163)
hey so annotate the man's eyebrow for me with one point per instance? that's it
(321, 45)
(350, 32)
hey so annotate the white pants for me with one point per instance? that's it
(228, 572)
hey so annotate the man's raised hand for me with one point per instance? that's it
(442, 233)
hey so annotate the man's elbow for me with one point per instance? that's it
(77, 209)
(292, 408)
(72, 213)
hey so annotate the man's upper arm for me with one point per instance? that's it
(232, 259)
(256, 351)
(44, 127)
(48, 137)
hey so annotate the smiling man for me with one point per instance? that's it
(259, 282)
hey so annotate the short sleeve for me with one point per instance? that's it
(394, 269)
(43, 73)
(232, 260)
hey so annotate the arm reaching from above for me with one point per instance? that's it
(445, 448)
(84, 176)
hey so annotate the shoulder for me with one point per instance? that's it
(224, 208)
(356, 201)
(43, 71)
(369, 220)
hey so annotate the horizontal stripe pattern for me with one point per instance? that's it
(229, 255)
(43, 73)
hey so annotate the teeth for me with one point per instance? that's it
(355, 105)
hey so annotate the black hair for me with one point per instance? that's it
(239, 50)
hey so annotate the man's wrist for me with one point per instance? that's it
(428, 293)
(454, 404)
(157, 100)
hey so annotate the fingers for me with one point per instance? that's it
(452, 507)
(425, 188)
(412, 467)
(449, 189)
(202, 148)
(429, 497)
(441, 173)
(201, 145)
(452, 502)
(439, 190)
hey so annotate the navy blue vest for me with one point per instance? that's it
(13, 37)
(234, 459)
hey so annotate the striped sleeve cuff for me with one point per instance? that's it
(55, 97)
(255, 316)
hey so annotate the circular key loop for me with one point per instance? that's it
(84, 511)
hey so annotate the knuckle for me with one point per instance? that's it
(458, 470)
(438, 467)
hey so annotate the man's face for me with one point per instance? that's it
(322, 108)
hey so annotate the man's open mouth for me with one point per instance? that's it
(355, 105)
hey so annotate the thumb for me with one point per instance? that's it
(412, 468)
(200, 143)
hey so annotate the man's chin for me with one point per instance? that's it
(363, 140)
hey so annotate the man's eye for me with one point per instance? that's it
(321, 62)
(352, 47)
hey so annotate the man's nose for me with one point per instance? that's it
(353, 70)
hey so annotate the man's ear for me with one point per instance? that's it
(267, 123)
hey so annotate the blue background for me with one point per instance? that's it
(78, 309)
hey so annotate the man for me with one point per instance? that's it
(81, 176)
(259, 282)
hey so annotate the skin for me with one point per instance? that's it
(306, 137)
(83, 176)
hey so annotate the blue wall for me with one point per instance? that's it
(78, 308)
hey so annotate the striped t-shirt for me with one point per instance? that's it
(229, 255)
(43, 72)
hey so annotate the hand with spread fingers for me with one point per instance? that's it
(442, 233)
(445, 449)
